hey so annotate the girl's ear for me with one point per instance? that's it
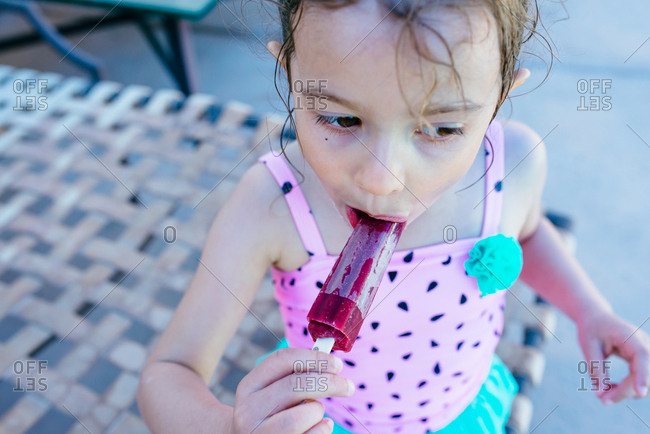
(274, 47)
(520, 76)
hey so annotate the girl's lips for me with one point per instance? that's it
(353, 216)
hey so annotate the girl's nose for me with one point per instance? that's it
(380, 173)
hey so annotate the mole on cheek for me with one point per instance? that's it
(325, 138)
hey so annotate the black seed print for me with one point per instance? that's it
(403, 335)
(286, 187)
(447, 261)
(496, 333)
(319, 284)
(490, 317)
(402, 305)
(463, 299)
(300, 269)
(310, 253)
(352, 409)
(370, 404)
(466, 273)
(350, 363)
(362, 386)
(290, 324)
(424, 419)
(328, 398)
(390, 375)
(348, 423)
(395, 395)
(497, 186)
(437, 317)
(392, 275)
(396, 415)
(458, 374)
(374, 350)
(374, 325)
(460, 344)
(476, 344)
(437, 368)
(406, 356)
(304, 331)
(432, 285)
(423, 403)
(434, 344)
(487, 152)
(310, 212)
(358, 337)
(409, 257)
(422, 383)
(289, 308)
(447, 389)
(459, 326)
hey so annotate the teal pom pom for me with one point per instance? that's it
(496, 262)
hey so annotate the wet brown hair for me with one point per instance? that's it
(516, 22)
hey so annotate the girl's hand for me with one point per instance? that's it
(602, 335)
(268, 399)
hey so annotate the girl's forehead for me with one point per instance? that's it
(355, 47)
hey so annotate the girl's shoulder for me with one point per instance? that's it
(525, 167)
(270, 211)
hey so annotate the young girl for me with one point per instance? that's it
(394, 110)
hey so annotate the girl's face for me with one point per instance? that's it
(359, 138)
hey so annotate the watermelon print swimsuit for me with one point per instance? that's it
(425, 352)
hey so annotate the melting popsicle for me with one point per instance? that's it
(345, 299)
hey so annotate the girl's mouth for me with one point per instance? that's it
(354, 215)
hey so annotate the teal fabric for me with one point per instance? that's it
(496, 262)
(486, 414)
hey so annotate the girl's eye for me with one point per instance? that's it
(344, 122)
(442, 132)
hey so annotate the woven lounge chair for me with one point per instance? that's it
(106, 196)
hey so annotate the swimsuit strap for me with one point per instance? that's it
(493, 178)
(298, 205)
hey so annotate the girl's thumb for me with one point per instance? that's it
(596, 366)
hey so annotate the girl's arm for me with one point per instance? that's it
(173, 398)
(549, 268)
(555, 274)
(173, 394)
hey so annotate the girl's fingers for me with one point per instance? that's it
(285, 361)
(326, 426)
(621, 391)
(297, 419)
(640, 367)
(295, 388)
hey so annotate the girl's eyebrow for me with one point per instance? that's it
(429, 110)
(460, 106)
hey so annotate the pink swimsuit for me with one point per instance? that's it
(426, 346)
